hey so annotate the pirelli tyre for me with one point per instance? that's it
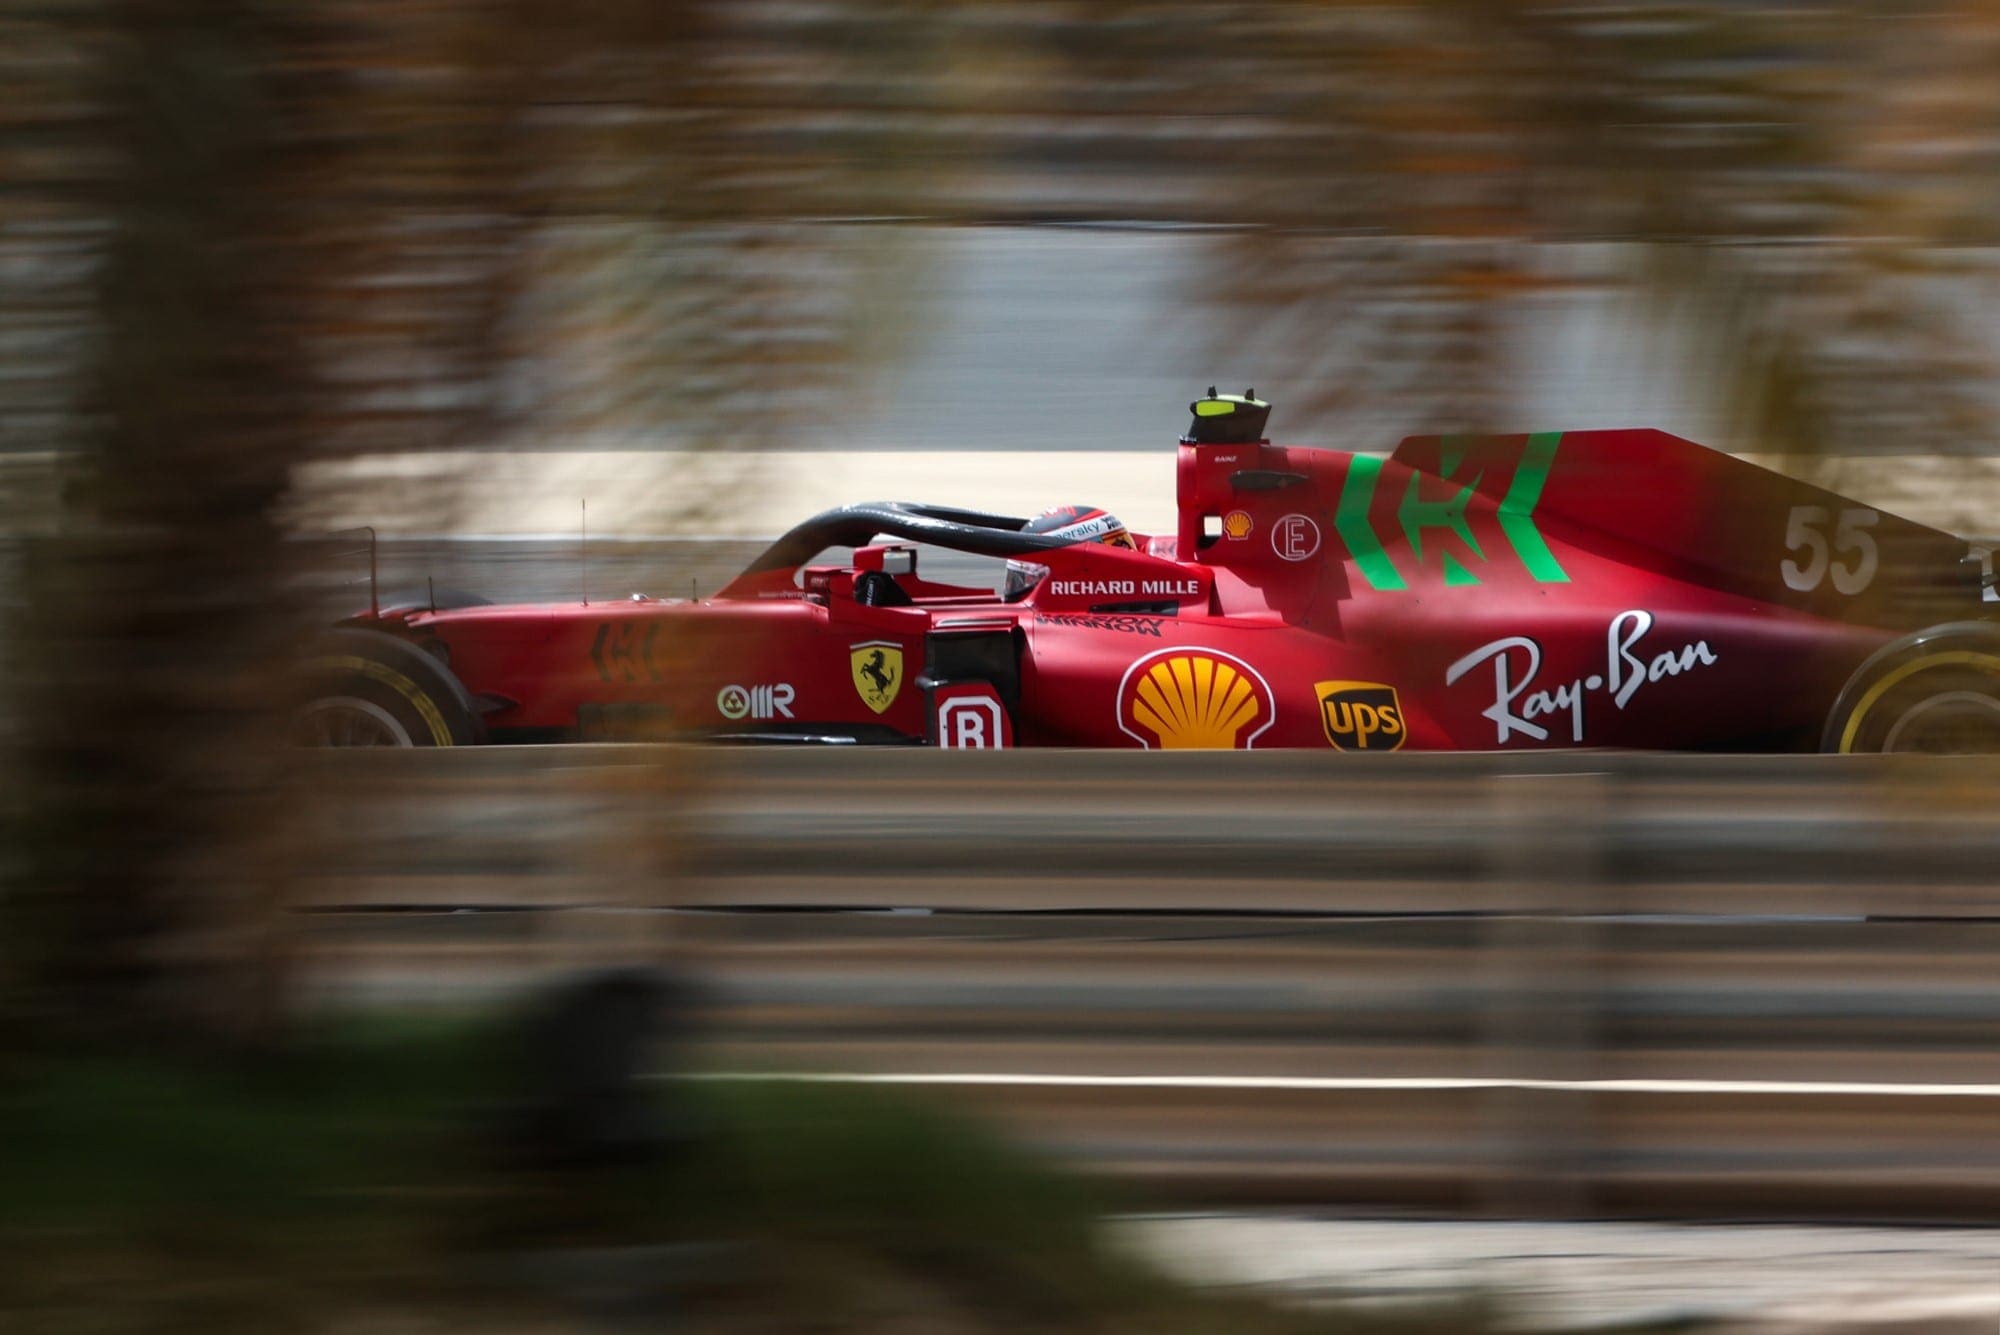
(365, 688)
(1935, 691)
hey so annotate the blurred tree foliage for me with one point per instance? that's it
(1782, 180)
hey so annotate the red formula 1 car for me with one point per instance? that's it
(1593, 588)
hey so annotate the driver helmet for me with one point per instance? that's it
(1077, 523)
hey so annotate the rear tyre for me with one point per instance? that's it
(363, 688)
(1935, 692)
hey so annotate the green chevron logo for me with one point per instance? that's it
(1417, 516)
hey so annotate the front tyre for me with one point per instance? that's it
(362, 688)
(1935, 692)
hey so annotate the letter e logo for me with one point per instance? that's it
(1295, 538)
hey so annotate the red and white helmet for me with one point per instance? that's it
(1077, 523)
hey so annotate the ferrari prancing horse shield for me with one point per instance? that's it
(878, 672)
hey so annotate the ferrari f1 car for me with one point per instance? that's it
(1580, 589)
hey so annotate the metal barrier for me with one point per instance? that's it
(1738, 985)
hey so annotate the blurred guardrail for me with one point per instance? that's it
(1741, 985)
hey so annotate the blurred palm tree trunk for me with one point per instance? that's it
(152, 810)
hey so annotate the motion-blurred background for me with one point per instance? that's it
(271, 270)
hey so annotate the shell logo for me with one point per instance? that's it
(1193, 699)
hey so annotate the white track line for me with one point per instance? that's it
(1338, 1084)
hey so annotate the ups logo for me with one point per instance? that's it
(1360, 715)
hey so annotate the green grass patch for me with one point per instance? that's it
(365, 1171)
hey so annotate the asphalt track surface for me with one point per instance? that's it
(998, 1008)
(1694, 1059)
